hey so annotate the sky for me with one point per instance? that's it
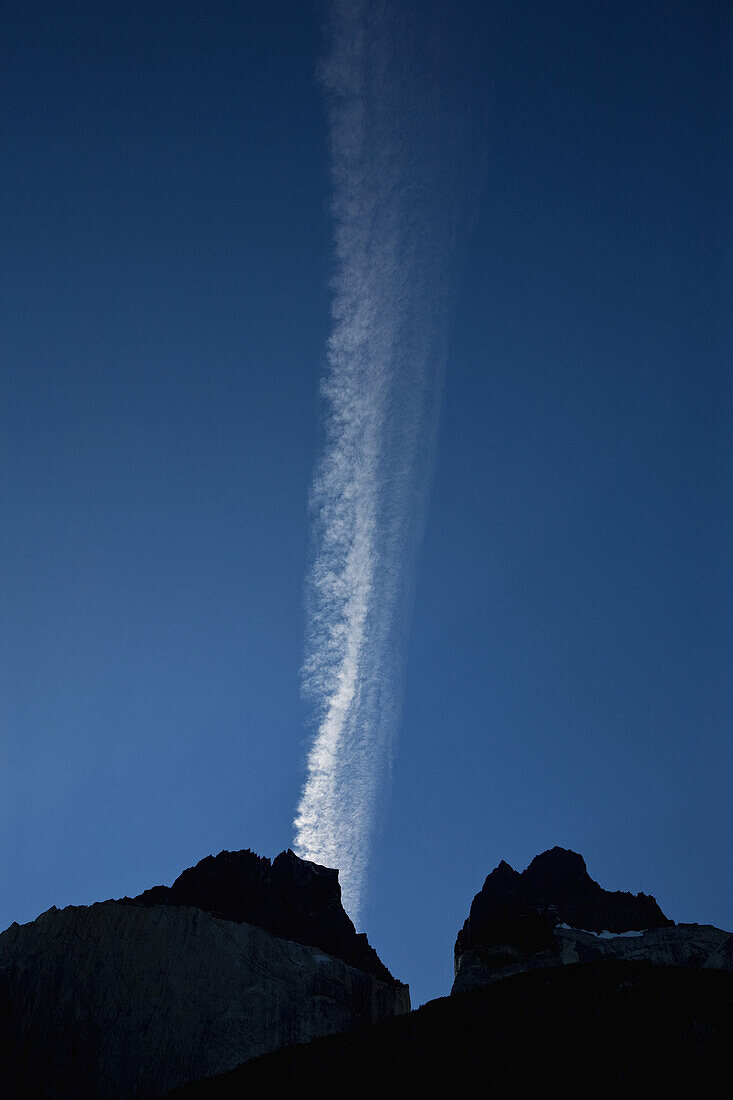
(221, 224)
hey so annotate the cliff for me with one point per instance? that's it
(128, 999)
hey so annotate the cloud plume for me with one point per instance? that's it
(398, 136)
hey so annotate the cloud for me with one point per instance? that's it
(397, 140)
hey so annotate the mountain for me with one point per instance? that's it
(246, 977)
(620, 997)
(131, 998)
(553, 913)
(290, 897)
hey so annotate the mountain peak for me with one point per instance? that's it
(555, 888)
(290, 897)
(559, 871)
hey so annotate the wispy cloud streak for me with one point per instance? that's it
(395, 153)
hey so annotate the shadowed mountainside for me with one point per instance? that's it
(616, 1023)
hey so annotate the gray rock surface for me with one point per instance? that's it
(115, 1000)
(699, 946)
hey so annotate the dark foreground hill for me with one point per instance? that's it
(587, 1028)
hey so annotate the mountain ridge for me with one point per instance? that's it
(179, 988)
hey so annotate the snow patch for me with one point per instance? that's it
(604, 935)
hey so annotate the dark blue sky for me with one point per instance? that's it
(167, 243)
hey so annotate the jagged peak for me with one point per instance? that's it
(504, 870)
(288, 896)
(554, 888)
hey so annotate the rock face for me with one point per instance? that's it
(553, 913)
(133, 998)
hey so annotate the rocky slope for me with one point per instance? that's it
(131, 998)
(553, 914)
